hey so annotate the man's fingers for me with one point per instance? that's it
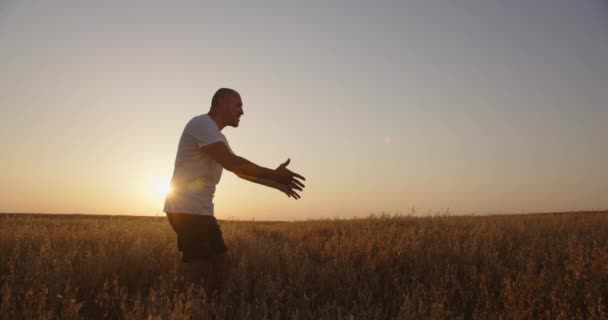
(289, 191)
(294, 194)
(285, 164)
(298, 176)
(300, 184)
(295, 186)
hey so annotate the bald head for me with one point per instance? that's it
(220, 95)
(226, 107)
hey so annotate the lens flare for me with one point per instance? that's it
(162, 187)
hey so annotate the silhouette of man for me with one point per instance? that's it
(202, 154)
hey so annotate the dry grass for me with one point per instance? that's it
(552, 266)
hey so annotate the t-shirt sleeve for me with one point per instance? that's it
(205, 133)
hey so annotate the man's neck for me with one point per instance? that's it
(220, 124)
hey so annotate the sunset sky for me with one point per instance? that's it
(479, 106)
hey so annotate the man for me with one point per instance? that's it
(202, 154)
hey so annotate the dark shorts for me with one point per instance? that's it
(198, 236)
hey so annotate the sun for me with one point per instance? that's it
(162, 188)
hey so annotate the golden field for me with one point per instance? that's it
(546, 266)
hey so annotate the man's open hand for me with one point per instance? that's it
(288, 191)
(289, 180)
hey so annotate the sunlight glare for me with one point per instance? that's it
(163, 187)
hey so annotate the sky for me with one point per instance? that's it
(398, 107)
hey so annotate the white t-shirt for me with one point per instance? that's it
(195, 174)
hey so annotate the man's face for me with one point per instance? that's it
(233, 110)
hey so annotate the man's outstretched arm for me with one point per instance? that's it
(219, 152)
(272, 184)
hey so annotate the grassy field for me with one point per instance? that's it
(552, 266)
